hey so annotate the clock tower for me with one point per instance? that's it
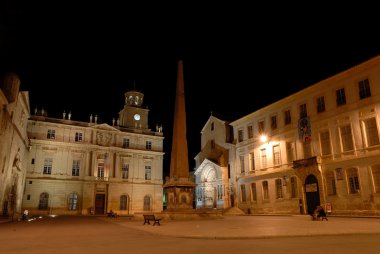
(134, 115)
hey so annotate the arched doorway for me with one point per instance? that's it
(312, 193)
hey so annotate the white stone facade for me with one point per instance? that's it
(215, 188)
(89, 168)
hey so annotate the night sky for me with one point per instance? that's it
(236, 60)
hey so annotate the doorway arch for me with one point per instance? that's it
(312, 193)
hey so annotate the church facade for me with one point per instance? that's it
(78, 167)
(319, 146)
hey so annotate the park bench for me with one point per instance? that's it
(151, 217)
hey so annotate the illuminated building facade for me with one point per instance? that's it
(14, 114)
(91, 168)
(322, 147)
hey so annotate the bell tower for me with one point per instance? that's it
(134, 115)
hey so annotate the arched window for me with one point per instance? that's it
(147, 203)
(73, 201)
(123, 202)
(44, 201)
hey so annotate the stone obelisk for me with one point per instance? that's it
(179, 187)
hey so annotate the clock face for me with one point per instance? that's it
(136, 117)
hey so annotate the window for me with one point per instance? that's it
(124, 170)
(340, 97)
(261, 127)
(33, 161)
(148, 145)
(303, 111)
(240, 135)
(263, 158)
(364, 89)
(28, 197)
(293, 185)
(321, 104)
(250, 131)
(288, 117)
(212, 126)
(290, 151)
(353, 180)
(73, 201)
(346, 138)
(146, 203)
(100, 169)
(242, 167)
(252, 160)
(148, 171)
(123, 202)
(243, 194)
(279, 193)
(265, 190)
(376, 177)
(330, 181)
(125, 142)
(48, 164)
(76, 168)
(276, 155)
(44, 201)
(324, 138)
(273, 122)
(253, 192)
(371, 132)
(51, 134)
(78, 137)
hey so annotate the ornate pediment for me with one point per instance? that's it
(104, 127)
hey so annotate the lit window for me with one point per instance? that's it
(73, 201)
(125, 170)
(148, 172)
(78, 137)
(346, 138)
(51, 134)
(276, 155)
(148, 145)
(371, 132)
(279, 193)
(48, 164)
(324, 138)
(76, 168)
(353, 180)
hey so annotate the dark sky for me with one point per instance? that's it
(83, 58)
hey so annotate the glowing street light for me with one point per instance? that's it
(263, 138)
